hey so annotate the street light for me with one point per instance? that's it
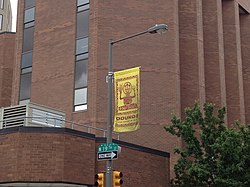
(158, 28)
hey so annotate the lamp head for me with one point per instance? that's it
(158, 28)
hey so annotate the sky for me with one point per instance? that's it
(14, 13)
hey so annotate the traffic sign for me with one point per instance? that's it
(107, 147)
(112, 155)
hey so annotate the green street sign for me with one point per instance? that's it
(107, 147)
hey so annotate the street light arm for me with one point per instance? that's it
(128, 37)
(158, 28)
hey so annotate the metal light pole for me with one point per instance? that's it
(158, 28)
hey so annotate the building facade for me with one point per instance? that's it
(5, 16)
(61, 60)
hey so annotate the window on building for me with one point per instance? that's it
(28, 39)
(29, 4)
(29, 15)
(25, 83)
(81, 64)
(1, 4)
(27, 51)
(1, 21)
(82, 24)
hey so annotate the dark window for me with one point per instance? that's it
(82, 24)
(28, 38)
(81, 73)
(25, 86)
(29, 4)
(26, 60)
(29, 15)
(82, 45)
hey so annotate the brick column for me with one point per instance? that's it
(245, 47)
(191, 53)
(233, 62)
(214, 53)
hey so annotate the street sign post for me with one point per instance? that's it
(107, 151)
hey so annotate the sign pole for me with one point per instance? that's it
(109, 119)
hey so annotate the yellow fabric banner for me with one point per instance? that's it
(127, 100)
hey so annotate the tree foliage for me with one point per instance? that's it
(213, 155)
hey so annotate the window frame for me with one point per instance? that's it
(81, 56)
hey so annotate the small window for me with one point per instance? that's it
(82, 24)
(25, 85)
(81, 73)
(80, 96)
(26, 60)
(82, 46)
(29, 4)
(82, 2)
(29, 24)
(82, 56)
(28, 38)
(29, 15)
(1, 21)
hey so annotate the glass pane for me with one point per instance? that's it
(82, 24)
(28, 38)
(82, 2)
(82, 45)
(29, 4)
(80, 96)
(26, 70)
(25, 84)
(82, 56)
(81, 8)
(29, 15)
(30, 24)
(26, 60)
(81, 73)
(23, 102)
(81, 107)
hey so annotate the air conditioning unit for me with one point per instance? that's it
(31, 115)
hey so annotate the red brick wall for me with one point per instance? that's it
(7, 55)
(50, 154)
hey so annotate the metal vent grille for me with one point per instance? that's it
(14, 116)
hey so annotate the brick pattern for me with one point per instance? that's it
(245, 47)
(233, 62)
(214, 52)
(65, 157)
(7, 55)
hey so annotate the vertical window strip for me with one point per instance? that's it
(1, 21)
(81, 63)
(27, 51)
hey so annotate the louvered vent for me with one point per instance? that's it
(14, 116)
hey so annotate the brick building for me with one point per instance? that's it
(61, 60)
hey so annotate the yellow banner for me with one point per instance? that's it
(127, 100)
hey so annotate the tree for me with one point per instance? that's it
(213, 155)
